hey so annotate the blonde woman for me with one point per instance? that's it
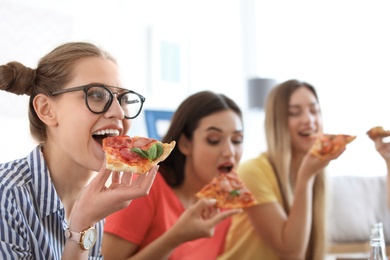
(287, 181)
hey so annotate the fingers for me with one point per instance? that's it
(115, 177)
(224, 215)
(208, 211)
(140, 186)
(337, 153)
(101, 178)
(147, 178)
(127, 178)
(202, 204)
(213, 214)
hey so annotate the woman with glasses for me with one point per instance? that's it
(53, 202)
(171, 223)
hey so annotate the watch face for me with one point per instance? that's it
(89, 238)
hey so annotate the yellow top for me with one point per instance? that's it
(242, 241)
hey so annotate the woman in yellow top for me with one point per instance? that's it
(287, 181)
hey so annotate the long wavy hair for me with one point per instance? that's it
(280, 153)
(53, 72)
(185, 121)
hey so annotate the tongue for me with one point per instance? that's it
(99, 138)
(224, 169)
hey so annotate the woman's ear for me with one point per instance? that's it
(185, 145)
(43, 106)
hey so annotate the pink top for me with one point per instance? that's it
(148, 217)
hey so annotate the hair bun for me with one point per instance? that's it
(17, 78)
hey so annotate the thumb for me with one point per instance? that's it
(203, 203)
(224, 215)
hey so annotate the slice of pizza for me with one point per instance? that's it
(134, 154)
(326, 144)
(378, 131)
(229, 191)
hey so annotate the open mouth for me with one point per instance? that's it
(98, 136)
(225, 168)
(307, 134)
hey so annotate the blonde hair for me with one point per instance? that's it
(53, 71)
(279, 153)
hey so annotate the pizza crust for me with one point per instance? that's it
(378, 131)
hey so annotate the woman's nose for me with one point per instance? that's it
(308, 117)
(115, 110)
(228, 149)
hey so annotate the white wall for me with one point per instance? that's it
(30, 29)
(343, 49)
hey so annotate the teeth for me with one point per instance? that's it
(107, 132)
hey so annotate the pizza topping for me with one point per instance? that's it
(225, 185)
(235, 193)
(143, 142)
(134, 154)
(328, 143)
(229, 191)
(154, 152)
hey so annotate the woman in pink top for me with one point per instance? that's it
(171, 222)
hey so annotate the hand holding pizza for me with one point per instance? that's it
(229, 191)
(377, 134)
(97, 201)
(326, 147)
(312, 164)
(199, 221)
(125, 156)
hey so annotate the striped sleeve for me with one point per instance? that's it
(14, 239)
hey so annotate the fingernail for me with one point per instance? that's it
(212, 201)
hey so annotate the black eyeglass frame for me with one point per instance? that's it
(85, 89)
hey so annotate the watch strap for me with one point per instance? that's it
(73, 235)
(77, 236)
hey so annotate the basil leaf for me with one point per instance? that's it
(152, 152)
(140, 152)
(235, 193)
(160, 150)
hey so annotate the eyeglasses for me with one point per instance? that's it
(98, 99)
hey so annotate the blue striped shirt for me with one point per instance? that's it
(32, 216)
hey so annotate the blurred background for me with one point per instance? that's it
(170, 49)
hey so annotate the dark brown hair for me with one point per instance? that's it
(53, 71)
(185, 121)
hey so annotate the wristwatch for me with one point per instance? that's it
(86, 238)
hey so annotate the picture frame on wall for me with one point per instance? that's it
(168, 62)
